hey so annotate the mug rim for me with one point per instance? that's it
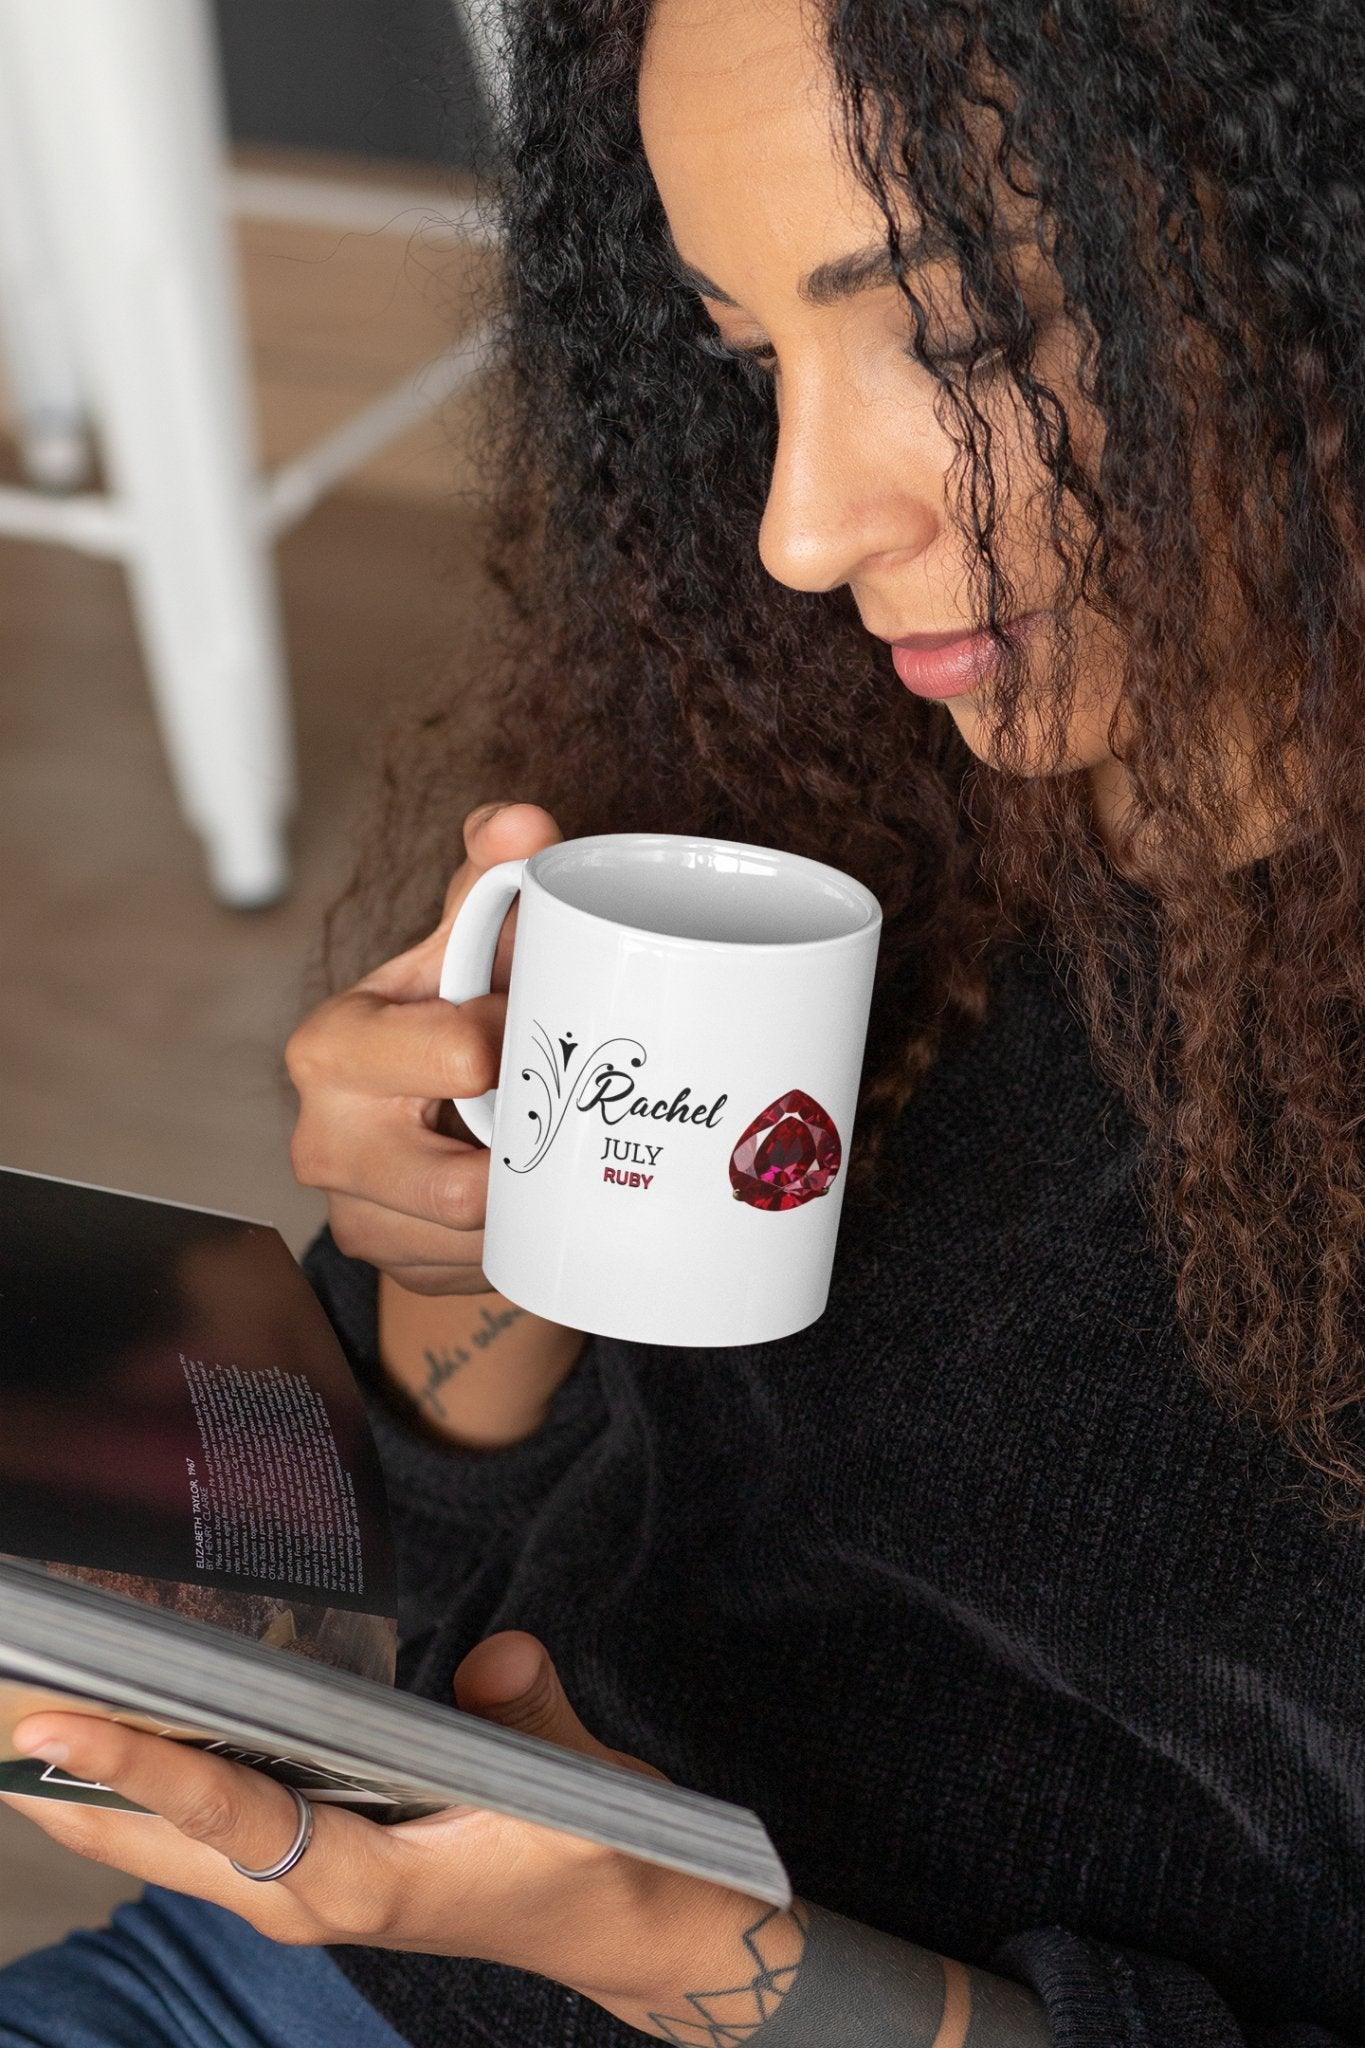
(857, 891)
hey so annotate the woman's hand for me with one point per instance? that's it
(375, 1068)
(464, 1882)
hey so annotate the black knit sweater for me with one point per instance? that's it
(1021, 1648)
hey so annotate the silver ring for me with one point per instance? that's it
(302, 1838)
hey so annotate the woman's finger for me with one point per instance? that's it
(493, 833)
(393, 1160)
(220, 1805)
(395, 1243)
(506, 829)
(360, 1044)
(511, 1678)
(414, 976)
(142, 1844)
(150, 1849)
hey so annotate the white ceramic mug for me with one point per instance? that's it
(686, 1020)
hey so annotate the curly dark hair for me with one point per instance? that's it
(1198, 168)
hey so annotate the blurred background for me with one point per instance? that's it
(242, 269)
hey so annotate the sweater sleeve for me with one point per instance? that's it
(1098, 1995)
(457, 1512)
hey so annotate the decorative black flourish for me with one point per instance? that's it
(720, 2019)
(556, 1089)
(543, 1040)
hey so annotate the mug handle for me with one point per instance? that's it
(467, 967)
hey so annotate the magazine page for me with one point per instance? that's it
(403, 1754)
(377, 1798)
(179, 1424)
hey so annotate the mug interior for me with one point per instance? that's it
(705, 889)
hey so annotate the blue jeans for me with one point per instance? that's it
(174, 1972)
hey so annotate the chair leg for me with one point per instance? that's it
(130, 132)
(50, 414)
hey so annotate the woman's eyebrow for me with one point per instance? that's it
(844, 276)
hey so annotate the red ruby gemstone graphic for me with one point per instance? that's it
(790, 1153)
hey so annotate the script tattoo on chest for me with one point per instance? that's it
(442, 1364)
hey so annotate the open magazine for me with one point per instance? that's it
(194, 1540)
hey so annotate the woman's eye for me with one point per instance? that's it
(959, 359)
(760, 356)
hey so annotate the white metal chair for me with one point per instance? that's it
(120, 321)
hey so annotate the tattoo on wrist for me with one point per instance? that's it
(442, 1365)
(808, 1977)
(772, 1951)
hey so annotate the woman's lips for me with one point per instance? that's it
(936, 665)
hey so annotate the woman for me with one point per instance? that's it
(1022, 1593)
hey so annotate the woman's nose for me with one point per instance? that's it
(842, 494)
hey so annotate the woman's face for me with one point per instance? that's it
(740, 126)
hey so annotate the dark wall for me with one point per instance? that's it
(379, 77)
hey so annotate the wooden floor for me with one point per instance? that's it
(140, 1025)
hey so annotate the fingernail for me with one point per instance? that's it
(50, 1752)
